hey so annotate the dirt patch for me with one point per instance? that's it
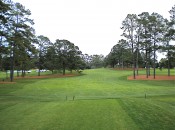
(158, 77)
(39, 77)
(46, 76)
(127, 69)
(7, 82)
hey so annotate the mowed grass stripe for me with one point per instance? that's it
(74, 115)
(150, 114)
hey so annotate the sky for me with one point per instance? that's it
(92, 25)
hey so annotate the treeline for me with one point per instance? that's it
(143, 36)
(21, 49)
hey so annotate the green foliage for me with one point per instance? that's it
(43, 43)
(120, 55)
(93, 61)
(97, 61)
(144, 34)
(172, 13)
(68, 55)
(16, 35)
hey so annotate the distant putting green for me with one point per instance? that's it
(100, 99)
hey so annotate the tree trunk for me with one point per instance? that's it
(6, 74)
(134, 75)
(154, 60)
(18, 73)
(1, 63)
(146, 63)
(122, 61)
(149, 61)
(168, 59)
(137, 64)
(113, 65)
(38, 72)
(12, 56)
(12, 64)
(1, 56)
(39, 69)
(64, 68)
(23, 73)
(133, 56)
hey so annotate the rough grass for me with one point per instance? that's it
(104, 100)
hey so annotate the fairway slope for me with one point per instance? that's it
(101, 99)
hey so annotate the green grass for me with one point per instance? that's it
(33, 73)
(104, 100)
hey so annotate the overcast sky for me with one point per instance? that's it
(93, 25)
